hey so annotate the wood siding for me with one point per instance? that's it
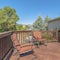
(54, 25)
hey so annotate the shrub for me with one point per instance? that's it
(47, 36)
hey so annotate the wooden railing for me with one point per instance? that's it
(5, 44)
(59, 35)
(50, 35)
(23, 35)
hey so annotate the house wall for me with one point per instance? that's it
(54, 25)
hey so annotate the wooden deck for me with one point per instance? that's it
(49, 52)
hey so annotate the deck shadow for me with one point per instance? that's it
(27, 53)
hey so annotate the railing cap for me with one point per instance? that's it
(4, 34)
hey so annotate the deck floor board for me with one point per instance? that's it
(49, 52)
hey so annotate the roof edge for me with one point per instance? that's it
(55, 19)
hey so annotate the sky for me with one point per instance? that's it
(29, 10)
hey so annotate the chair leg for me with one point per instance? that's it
(19, 57)
(35, 56)
(15, 53)
(45, 43)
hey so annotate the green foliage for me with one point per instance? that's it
(18, 27)
(47, 36)
(46, 22)
(8, 18)
(47, 19)
(41, 24)
(38, 24)
(22, 27)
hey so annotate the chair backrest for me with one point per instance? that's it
(15, 42)
(37, 34)
(14, 39)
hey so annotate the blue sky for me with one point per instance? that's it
(29, 10)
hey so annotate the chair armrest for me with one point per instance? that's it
(25, 45)
(18, 45)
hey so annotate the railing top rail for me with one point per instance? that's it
(23, 30)
(9, 32)
(3, 34)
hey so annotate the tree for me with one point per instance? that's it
(22, 27)
(8, 18)
(19, 27)
(41, 24)
(38, 24)
(47, 19)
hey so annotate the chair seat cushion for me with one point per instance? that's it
(25, 47)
